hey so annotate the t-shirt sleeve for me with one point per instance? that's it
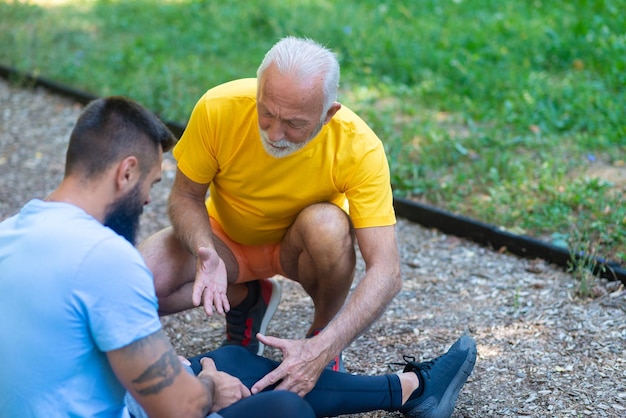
(194, 151)
(116, 295)
(369, 193)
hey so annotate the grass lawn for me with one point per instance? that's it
(511, 113)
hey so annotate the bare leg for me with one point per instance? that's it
(236, 293)
(318, 252)
(174, 269)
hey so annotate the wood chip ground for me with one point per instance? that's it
(543, 351)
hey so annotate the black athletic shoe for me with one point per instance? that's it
(243, 325)
(441, 380)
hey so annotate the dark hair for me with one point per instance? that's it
(112, 128)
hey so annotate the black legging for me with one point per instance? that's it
(334, 394)
(269, 405)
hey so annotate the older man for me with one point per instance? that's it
(294, 178)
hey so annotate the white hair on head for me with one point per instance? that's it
(304, 58)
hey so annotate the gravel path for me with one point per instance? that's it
(542, 350)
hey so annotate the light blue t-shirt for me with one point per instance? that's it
(70, 290)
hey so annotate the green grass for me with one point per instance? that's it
(494, 110)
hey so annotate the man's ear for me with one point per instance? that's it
(334, 108)
(128, 173)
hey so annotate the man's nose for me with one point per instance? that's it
(275, 132)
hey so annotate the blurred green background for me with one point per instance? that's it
(511, 113)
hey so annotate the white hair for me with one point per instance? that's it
(303, 59)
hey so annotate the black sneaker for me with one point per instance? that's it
(242, 325)
(441, 380)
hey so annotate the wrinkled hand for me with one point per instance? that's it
(300, 369)
(210, 284)
(228, 389)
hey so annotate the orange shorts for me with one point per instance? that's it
(255, 261)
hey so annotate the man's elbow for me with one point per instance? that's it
(395, 282)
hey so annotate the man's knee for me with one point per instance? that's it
(168, 261)
(153, 247)
(326, 221)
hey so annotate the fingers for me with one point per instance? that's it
(210, 284)
(268, 380)
(196, 294)
(245, 392)
(271, 341)
(224, 303)
(208, 302)
(207, 364)
(298, 371)
(277, 374)
(299, 387)
(227, 389)
(296, 384)
(217, 300)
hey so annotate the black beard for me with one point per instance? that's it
(123, 215)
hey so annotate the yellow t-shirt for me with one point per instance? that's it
(255, 197)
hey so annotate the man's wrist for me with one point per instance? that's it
(209, 384)
(328, 343)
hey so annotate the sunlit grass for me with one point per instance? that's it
(501, 111)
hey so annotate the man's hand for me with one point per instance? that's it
(210, 284)
(228, 389)
(302, 365)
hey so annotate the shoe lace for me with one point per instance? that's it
(412, 365)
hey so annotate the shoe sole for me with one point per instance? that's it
(269, 312)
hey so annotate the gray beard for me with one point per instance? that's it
(285, 148)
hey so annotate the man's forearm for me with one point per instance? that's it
(381, 282)
(367, 303)
(190, 221)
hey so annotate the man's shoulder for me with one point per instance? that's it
(243, 88)
(345, 113)
(347, 122)
(80, 232)
(40, 218)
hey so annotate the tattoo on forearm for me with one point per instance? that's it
(159, 375)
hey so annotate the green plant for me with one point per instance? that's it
(583, 265)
